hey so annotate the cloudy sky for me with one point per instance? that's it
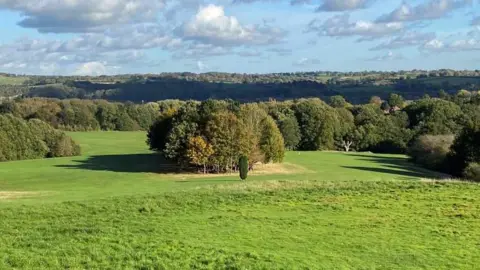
(93, 37)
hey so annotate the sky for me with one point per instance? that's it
(105, 37)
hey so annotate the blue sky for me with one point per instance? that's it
(95, 37)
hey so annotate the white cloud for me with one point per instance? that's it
(405, 40)
(91, 69)
(201, 66)
(459, 45)
(340, 26)
(305, 61)
(324, 5)
(14, 65)
(433, 45)
(433, 9)
(210, 25)
(390, 56)
(82, 15)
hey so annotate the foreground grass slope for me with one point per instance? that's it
(110, 209)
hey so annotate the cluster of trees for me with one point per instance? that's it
(427, 128)
(33, 139)
(85, 115)
(213, 135)
(451, 134)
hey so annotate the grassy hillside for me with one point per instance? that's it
(12, 80)
(120, 207)
(119, 163)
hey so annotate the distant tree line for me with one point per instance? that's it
(85, 115)
(357, 87)
(33, 139)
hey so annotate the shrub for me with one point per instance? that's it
(472, 171)
(243, 166)
(64, 146)
(431, 151)
(56, 141)
(34, 139)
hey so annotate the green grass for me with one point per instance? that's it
(115, 208)
(5, 80)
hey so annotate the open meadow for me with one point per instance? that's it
(120, 206)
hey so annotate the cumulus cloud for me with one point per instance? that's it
(436, 45)
(82, 15)
(433, 45)
(210, 25)
(340, 26)
(94, 69)
(201, 66)
(324, 5)
(407, 39)
(390, 56)
(115, 40)
(433, 9)
(305, 61)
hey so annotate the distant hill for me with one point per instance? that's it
(356, 87)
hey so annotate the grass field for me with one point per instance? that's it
(5, 80)
(121, 207)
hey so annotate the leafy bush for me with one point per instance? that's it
(472, 171)
(465, 150)
(34, 139)
(431, 151)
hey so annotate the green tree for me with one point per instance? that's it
(338, 101)
(199, 152)
(243, 167)
(435, 117)
(272, 144)
(431, 151)
(317, 123)
(465, 150)
(385, 106)
(227, 136)
(395, 100)
(290, 131)
(376, 100)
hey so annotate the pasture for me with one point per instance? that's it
(120, 206)
(12, 80)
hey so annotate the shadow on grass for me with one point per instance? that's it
(396, 166)
(135, 163)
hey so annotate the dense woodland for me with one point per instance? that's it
(356, 87)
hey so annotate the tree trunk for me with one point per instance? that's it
(347, 145)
